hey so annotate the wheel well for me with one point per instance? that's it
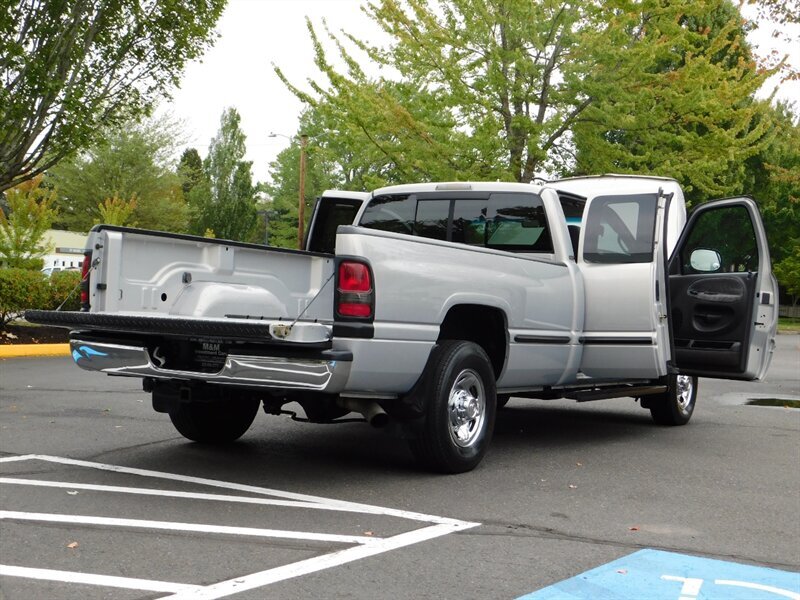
(484, 325)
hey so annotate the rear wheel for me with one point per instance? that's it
(456, 429)
(676, 405)
(214, 422)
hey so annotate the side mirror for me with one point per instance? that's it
(705, 261)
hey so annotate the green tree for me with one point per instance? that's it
(71, 69)
(330, 163)
(133, 160)
(31, 214)
(773, 176)
(190, 169)
(496, 89)
(689, 113)
(787, 271)
(117, 211)
(225, 202)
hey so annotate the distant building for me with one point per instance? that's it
(66, 250)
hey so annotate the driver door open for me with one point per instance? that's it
(722, 293)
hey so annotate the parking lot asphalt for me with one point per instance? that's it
(101, 498)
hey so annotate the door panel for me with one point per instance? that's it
(710, 319)
(722, 293)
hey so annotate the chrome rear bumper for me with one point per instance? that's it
(327, 373)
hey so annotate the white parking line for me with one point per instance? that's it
(195, 527)
(91, 579)
(327, 502)
(312, 565)
(170, 494)
(364, 546)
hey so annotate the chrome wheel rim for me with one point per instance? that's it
(684, 392)
(466, 406)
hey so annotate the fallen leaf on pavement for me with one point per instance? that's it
(72, 545)
(634, 528)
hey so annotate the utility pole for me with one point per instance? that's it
(302, 196)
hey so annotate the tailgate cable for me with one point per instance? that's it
(281, 330)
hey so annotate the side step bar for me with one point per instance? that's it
(617, 392)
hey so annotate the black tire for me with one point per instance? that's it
(502, 400)
(455, 431)
(676, 405)
(214, 422)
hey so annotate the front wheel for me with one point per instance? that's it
(676, 405)
(214, 422)
(457, 427)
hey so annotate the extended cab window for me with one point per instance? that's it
(619, 229)
(517, 222)
(432, 219)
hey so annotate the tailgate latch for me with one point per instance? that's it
(280, 330)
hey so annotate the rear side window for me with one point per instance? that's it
(505, 221)
(391, 213)
(620, 229)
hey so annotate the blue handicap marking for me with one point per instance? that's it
(657, 575)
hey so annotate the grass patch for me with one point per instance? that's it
(783, 403)
(786, 324)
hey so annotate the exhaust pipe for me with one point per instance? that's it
(371, 410)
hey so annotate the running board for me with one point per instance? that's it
(617, 392)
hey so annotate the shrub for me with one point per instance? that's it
(62, 284)
(21, 289)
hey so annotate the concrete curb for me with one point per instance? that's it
(20, 350)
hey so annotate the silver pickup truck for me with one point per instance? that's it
(425, 307)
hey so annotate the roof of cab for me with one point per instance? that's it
(459, 186)
(593, 185)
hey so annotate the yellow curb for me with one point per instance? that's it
(19, 350)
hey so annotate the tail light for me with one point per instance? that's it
(85, 268)
(355, 296)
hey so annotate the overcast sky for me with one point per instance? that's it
(237, 71)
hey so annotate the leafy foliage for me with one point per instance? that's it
(117, 211)
(30, 215)
(685, 109)
(63, 291)
(21, 289)
(190, 169)
(71, 69)
(499, 90)
(774, 177)
(135, 160)
(788, 270)
(224, 200)
(24, 289)
(327, 166)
